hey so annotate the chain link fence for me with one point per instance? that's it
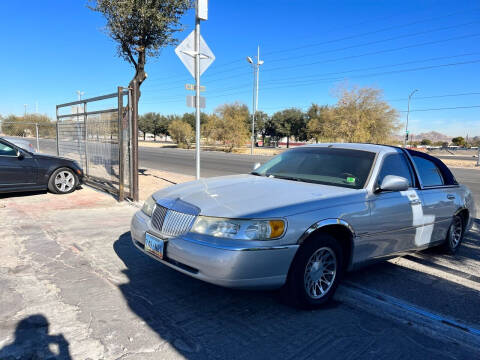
(42, 136)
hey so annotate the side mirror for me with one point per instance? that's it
(256, 166)
(20, 155)
(394, 183)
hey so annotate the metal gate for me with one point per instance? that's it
(96, 132)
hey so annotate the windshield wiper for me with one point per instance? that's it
(255, 173)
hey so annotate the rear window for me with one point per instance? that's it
(429, 173)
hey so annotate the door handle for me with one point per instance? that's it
(450, 197)
(415, 202)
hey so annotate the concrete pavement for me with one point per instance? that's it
(72, 284)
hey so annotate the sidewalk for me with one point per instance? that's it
(72, 283)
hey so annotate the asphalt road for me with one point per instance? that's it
(215, 163)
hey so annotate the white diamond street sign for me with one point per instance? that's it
(186, 52)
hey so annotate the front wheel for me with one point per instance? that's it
(315, 273)
(62, 181)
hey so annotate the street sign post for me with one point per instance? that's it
(197, 57)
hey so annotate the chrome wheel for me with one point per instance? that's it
(456, 231)
(64, 181)
(320, 272)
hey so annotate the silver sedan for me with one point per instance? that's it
(305, 217)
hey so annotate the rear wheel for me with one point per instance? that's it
(62, 181)
(315, 273)
(454, 235)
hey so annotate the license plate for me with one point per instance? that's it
(154, 245)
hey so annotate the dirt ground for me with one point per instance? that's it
(153, 180)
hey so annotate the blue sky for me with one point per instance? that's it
(52, 48)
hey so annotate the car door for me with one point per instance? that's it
(15, 171)
(438, 198)
(393, 224)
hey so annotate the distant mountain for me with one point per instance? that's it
(433, 136)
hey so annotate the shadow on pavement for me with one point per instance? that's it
(200, 320)
(21, 194)
(32, 341)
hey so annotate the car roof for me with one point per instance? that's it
(359, 146)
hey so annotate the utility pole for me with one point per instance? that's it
(256, 68)
(25, 110)
(408, 113)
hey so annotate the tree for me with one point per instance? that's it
(191, 120)
(320, 123)
(426, 142)
(181, 132)
(290, 122)
(145, 124)
(261, 120)
(458, 141)
(363, 116)
(231, 125)
(141, 28)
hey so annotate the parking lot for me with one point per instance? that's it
(73, 285)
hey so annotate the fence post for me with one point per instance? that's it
(36, 134)
(58, 138)
(121, 154)
(134, 184)
(85, 136)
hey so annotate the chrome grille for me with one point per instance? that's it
(170, 222)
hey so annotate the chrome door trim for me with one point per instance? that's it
(322, 223)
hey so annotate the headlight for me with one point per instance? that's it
(239, 229)
(148, 206)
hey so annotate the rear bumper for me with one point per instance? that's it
(264, 267)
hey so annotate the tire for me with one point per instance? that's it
(454, 236)
(62, 181)
(307, 288)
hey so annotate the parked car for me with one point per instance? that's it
(305, 217)
(23, 170)
(24, 144)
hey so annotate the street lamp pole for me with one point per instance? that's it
(408, 113)
(256, 68)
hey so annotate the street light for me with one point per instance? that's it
(256, 67)
(408, 113)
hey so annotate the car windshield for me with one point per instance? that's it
(330, 166)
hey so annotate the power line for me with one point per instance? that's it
(315, 81)
(305, 83)
(341, 39)
(374, 67)
(362, 55)
(381, 41)
(444, 108)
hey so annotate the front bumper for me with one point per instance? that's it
(235, 267)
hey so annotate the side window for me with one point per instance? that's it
(395, 164)
(6, 150)
(428, 172)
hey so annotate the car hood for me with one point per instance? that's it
(50, 157)
(244, 196)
